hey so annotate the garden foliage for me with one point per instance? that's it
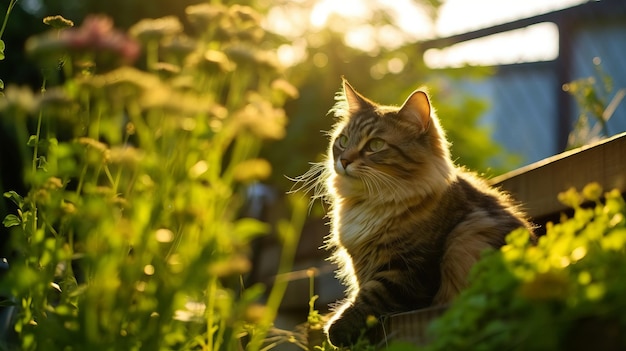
(597, 100)
(130, 235)
(565, 293)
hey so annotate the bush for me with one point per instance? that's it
(566, 293)
(130, 236)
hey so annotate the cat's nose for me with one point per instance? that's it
(345, 162)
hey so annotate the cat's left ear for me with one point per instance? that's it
(417, 109)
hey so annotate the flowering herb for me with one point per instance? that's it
(130, 235)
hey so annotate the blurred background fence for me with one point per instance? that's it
(531, 112)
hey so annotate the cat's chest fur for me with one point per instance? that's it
(370, 223)
(356, 224)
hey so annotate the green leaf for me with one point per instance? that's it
(248, 228)
(42, 162)
(32, 141)
(1, 84)
(11, 221)
(16, 198)
(2, 46)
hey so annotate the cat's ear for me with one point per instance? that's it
(356, 102)
(417, 109)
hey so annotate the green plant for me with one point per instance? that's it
(2, 57)
(4, 25)
(130, 235)
(593, 97)
(567, 292)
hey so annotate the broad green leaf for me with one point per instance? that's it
(248, 228)
(11, 221)
(16, 198)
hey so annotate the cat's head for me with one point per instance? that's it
(386, 153)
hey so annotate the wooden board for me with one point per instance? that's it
(537, 185)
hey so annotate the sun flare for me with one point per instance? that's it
(411, 23)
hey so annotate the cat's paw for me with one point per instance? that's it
(352, 326)
(342, 332)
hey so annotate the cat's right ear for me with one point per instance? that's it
(356, 102)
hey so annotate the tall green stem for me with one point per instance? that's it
(36, 146)
(289, 233)
(211, 292)
(6, 16)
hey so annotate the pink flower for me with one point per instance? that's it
(97, 34)
(96, 39)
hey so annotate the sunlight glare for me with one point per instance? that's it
(460, 16)
(323, 10)
(395, 65)
(539, 42)
(289, 54)
(412, 19)
(353, 18)
(362, 38)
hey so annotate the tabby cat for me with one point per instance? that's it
(406, 223)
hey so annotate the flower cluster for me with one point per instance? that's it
(95, 40)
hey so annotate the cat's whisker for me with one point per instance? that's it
(371, 186)
(308, 181)
(312, 182)
(371, 183)
(382, 185)
(386, 184)
(392, 190)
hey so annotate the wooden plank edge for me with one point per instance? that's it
(537, 185)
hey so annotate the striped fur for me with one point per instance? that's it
(406, 223)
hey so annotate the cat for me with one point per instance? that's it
(406, 223)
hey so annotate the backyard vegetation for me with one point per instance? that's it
(565, 293)
(130, 236)
(139, 148)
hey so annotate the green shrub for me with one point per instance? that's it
(567, 292)
(130, 236)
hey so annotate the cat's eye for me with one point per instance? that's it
(375, 145)
(343, 141)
